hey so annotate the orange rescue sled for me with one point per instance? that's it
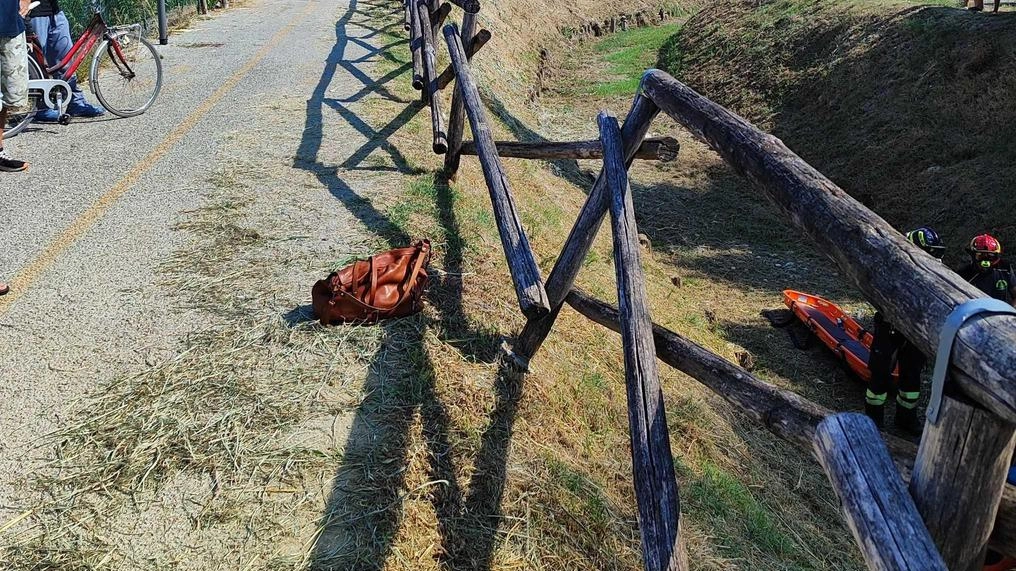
(837, 330)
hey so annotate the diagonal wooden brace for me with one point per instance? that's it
(562, 277)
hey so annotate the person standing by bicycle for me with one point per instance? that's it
(13, 72)
(54, 32)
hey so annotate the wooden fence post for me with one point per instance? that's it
(525, 273)
(655, 484)
(582, 234)
(958, 479)
(457, 120)
(416, 46)
(785, 413)
(430, 89)
(879, 512)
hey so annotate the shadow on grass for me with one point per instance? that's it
(365, 504)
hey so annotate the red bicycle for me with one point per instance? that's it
(125, 74)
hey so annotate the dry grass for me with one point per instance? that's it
(236, 431)
(411, 446)
(558, 496)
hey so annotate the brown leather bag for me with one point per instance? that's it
(386, 285)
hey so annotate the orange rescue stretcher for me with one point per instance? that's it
(852, 343)
(841, 333)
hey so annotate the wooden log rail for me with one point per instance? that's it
(656, 489)
(580, 239)
(914, 290)
(786, 414)
(468, 6)
(525, 275)
(431, 92)
(957, 478)
(457, 121)
(879, 511)
(415, 44)
(472, 46)
(662, 149)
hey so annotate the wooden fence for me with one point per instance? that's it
(937, 506)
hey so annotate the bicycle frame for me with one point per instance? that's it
(56, 76)
(96, 30)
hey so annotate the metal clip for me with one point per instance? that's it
(956, 319)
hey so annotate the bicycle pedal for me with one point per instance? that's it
(64, 119)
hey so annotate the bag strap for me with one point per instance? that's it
(420, 259)
(373, 281)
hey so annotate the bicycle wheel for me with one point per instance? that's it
(126, 74)
(17, 123)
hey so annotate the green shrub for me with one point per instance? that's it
(116, 11)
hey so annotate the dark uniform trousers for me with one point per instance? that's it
(888, 348)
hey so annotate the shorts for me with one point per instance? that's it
(13, 73)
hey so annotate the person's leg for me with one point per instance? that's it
(59, 45)
(60, 42)
(42, 25)
(13, 91)
(880, 363)
(912, 362)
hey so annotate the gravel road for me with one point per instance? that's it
(83, 234)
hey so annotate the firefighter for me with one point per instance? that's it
(889, 348)
(987, 271)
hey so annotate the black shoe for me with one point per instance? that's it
(9, 164)
(875, 413)
(907, 421)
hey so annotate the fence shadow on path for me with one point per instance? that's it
(364, 508)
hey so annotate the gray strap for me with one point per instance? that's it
(956, 319)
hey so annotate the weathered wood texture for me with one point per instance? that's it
(580, 239)
(874, 499)
(437, 121)
(448, 75)
(913, 289)
(785, 413)
(409, 18)
(525, 274)
(656, 488)
(437, 18)
(1003, 536)
(416, 44)
(457, 119)
(958, 480)
(469, 6)
(663, 149)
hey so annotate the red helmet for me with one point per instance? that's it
(985, 250)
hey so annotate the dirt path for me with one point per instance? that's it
(161, 267)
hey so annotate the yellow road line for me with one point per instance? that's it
(31, 273)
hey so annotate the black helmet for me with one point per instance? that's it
(928, 240)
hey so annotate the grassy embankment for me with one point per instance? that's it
(564, 495)
(906, 106)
